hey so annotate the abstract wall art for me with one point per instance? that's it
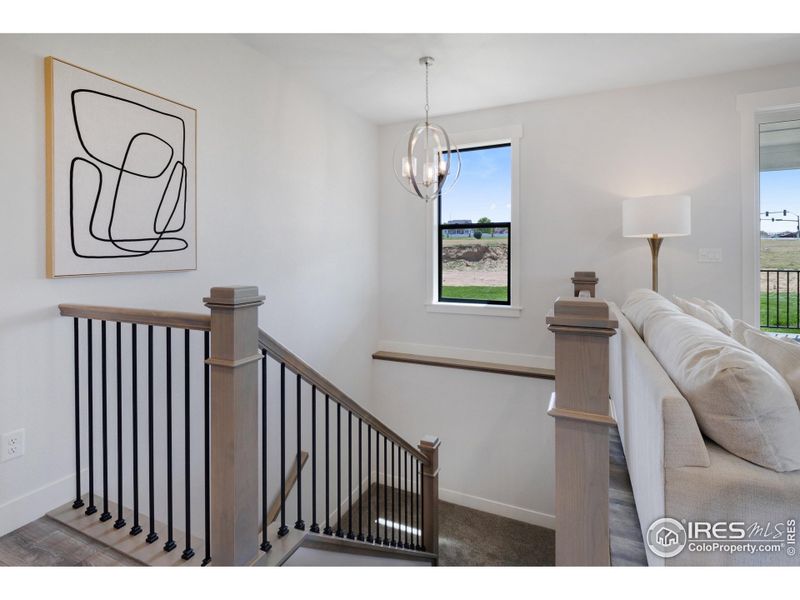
(121, 163)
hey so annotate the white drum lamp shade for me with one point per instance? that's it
(664, 216)
(654, 218)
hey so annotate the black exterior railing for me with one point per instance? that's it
(780, 298)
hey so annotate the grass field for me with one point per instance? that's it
(780, 254)
(475, 292)
(777, 313)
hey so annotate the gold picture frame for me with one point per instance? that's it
(90, 145)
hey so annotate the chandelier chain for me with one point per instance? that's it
(427, 101)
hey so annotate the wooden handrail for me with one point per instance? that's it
(302, 368)
(467, 365)
(140, 316)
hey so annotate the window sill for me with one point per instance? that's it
(487, 310)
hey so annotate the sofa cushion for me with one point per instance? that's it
(739, 327)
(698, 312)
(782, 355)
(643, 303)
(722, 315)
(738, 399)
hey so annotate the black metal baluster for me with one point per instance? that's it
(152, 536)
(777, 299)
(394, 499)
(328, 530)
(299, 524)
(767, 323)
(314, 525)
(360, 536)
(170, 544)
(370, 539)
(339, 532)
(91, 509)
(404, 488)
(76, 355)
(105, 516)
(350, 534)
(422, 509)
(266, 546)
(414, 517)
(385, 493)
(788, 288)
(207, 452)
(137, 528)
(188, 551)
(419, 513)
(283, 530)
(120, 522)
(378, 539)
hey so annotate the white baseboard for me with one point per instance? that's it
(526, 515)
(26, 508)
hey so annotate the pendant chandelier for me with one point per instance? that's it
(425, 162)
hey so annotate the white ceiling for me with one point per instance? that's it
(378, 76)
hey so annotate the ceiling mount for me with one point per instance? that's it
(426, 61)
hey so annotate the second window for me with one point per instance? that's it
(474, 229)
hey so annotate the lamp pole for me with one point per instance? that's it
(655, 245)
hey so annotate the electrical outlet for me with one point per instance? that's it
(709, 255)
(12, 445)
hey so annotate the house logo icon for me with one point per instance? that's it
(666, 537)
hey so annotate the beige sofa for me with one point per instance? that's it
(676, 472)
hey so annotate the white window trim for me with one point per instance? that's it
(471, 139)
(755, 109)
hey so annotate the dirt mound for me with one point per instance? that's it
(475, 252)
(475, 256)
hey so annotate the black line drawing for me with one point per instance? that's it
(135, 181)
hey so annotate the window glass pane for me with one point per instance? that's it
(779, 162)
(483, 189)
(475, 264)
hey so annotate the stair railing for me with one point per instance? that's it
(368, 486)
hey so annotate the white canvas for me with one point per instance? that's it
(121, 185)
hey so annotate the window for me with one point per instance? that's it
(474, 229)
(779, 216)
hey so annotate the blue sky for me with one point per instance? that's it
(484, 187)
(780, 190)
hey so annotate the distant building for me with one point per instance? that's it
(459, 232)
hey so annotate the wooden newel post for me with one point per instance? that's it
(429, 446)
(233, 364)
(580, 406)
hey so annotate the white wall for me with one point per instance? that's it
(579, 157)
(286, 182)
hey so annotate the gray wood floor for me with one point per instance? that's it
(627, 547)
(47, 543)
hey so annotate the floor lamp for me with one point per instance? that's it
(655, 218)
